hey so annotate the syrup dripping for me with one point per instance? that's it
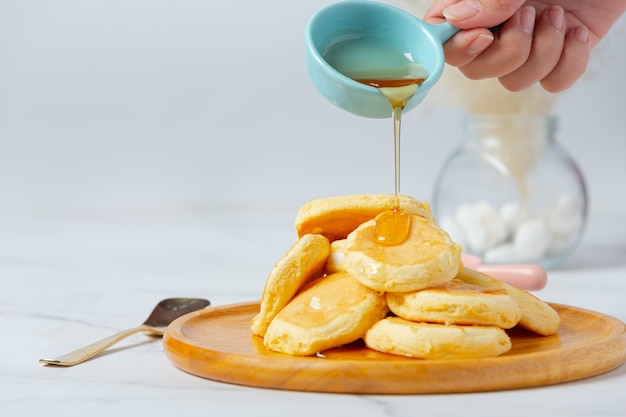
(394, 226)
(375, 62)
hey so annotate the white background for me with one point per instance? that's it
(173, 105)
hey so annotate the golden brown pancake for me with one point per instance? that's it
(427, 258)
(328, 312)
(304, 262)
(457, 302)
(537, 315)
(336, 217)
(334, 263)
(398, 336)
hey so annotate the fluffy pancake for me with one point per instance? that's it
(334, 263)
(436, 341)
(336, 217)
(427, 258)
(328, 312)
(304, 262)
(537, 315)
(457, 302)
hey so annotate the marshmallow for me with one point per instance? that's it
(495, 225)
(505, 253)
(472, 228)
(566, 217)
(508, 234)
(480, 225)
(512, 214)
(559, 245)
(532, 239)
(450, 225)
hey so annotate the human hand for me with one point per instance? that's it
(522, 42)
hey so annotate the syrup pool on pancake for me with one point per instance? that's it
(397, 76)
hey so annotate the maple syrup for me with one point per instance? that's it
(397, 76)
(393, 226)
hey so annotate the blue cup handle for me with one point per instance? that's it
(442, 31)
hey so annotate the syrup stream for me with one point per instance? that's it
(394, 226)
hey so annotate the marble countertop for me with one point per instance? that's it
(71, 278)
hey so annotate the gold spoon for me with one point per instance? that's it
(163, 314)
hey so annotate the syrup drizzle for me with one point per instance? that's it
(396, 74)
(394, 226)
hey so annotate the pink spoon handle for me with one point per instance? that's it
(526, 276)
(470, 261)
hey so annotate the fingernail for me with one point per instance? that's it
(581, 34)
(462, 10)
(527, 19)
(479, 44)
(556, 16)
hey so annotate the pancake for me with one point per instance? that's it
(304, 262)
(336, 217)
(398, 336)
(334, 263)
(537, 315)
(328, 312)
(457, 302)
(427, 258)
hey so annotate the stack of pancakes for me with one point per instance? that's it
(338, 284)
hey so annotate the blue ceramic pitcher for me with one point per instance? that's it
(354, 19)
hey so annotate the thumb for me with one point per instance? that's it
(469, 14)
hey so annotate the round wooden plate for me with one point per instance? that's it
(217, 344)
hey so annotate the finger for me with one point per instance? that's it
(573, 61)
(547, 45)
(466, 45)
(468, 14)
(509, 50)
(434, 14)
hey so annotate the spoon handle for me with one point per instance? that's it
(525, 276)
(89, 351)
(443, 31)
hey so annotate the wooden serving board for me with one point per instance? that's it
(217, 344)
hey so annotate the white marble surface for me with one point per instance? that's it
(130, 171)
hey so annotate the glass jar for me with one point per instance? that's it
(511, 193)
